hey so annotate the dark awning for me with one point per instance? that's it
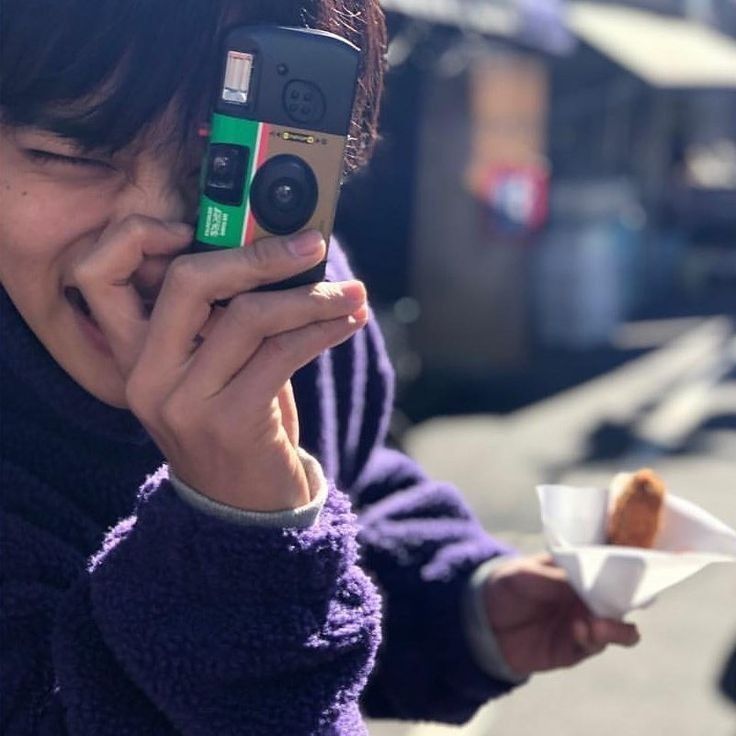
(538, 23)
(665, 51)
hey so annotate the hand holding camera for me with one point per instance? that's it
(221, 410)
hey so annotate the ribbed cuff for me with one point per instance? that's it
(301, 517)
(483, 644)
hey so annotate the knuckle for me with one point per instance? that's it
(183, 273)
(262, 255)
(326, 295)
(85, 273)
(247, 311)
(175, 413)
(136, 226)
(279, 348)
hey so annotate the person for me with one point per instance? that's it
(728, 678)
(203, 528)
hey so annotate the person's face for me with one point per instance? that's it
(55, 203)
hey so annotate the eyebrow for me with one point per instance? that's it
(68, 127)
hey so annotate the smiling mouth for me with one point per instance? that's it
(148, 305)
(76, 299)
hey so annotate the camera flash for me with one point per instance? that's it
(238, 73)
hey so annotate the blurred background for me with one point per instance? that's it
(548, 232)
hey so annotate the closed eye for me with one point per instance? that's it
(46, 157)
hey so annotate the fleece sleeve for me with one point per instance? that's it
(184, 623)
(421, 544)
(419, 540)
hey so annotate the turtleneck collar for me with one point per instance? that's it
(28, 360)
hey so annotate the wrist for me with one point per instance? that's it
(271, 480)
(279, 483)
(300, 517)
(481, 637)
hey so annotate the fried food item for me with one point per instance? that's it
(636, 516)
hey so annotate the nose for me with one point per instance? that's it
(162, 187)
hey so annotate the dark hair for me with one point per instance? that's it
(72, 66)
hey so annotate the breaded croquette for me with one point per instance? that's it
(637, 512)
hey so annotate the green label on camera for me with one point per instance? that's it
(224, 224)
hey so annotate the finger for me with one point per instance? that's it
(281, 356)
(546, 559)
(105, 278)
(149, 278)
(582, 635)
(251, 318)
(194, 282)
(607, 631)
(543, 584)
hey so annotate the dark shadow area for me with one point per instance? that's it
(720, 421)
(553, 371)
(728, 680)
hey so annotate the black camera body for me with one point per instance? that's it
(276, 153)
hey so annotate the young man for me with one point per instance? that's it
(223, 593)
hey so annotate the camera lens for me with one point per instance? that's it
(284, 194)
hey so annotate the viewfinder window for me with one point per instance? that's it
(238, 75)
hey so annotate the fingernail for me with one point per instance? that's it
(360, 315)
(354, 292)
(305, 243)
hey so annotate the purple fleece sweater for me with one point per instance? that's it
(127, 611)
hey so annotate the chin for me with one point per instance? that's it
(82, 353)
(97, 374)
(111, 397)
(102, 382)
(88, 359)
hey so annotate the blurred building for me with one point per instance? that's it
(721, 14)
(643, 153)
(418, 222)
(544, 169)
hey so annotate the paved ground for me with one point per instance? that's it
(674, 409)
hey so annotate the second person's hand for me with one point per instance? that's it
(540, 623)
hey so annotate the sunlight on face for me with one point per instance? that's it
(57, 203)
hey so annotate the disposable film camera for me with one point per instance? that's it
(277, 142)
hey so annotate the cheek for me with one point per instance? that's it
(42, 224)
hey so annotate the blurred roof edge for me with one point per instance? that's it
(540, 24)
(665, 51)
